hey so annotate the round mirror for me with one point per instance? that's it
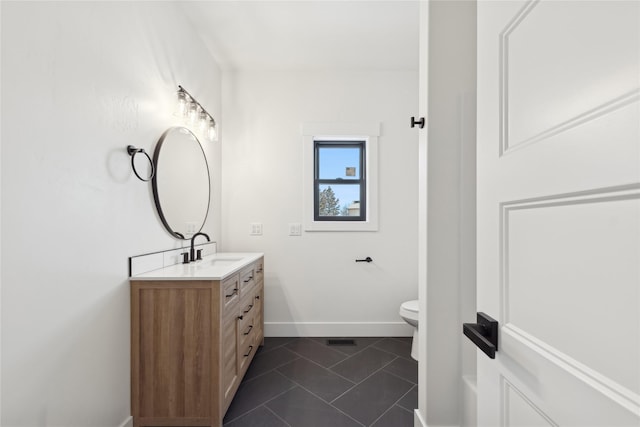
(181, 183)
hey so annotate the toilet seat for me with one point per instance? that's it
(410, 305)
(409, 309)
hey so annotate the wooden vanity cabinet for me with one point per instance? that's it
(191, 343)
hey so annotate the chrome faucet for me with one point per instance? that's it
(192, 252)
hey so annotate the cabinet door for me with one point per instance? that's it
(171, 362)
(228, 350)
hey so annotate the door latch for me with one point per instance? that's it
(484, 334)
(419, 123)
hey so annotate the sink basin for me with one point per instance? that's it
(222, 262)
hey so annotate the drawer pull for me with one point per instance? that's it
(249, 279)
(248, 330)
(240, 317)
(257, 296)
(248, 309)
(249, 351)
(235, 292)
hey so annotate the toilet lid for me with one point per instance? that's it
(411, 306)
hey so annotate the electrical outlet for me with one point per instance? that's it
(295, 229)
(256, 229)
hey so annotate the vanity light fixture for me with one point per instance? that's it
(191, 110)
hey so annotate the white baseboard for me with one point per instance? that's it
(127, 422)
(337, 329)
(469, 401)
(418, 421)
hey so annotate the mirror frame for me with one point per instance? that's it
(154, 182)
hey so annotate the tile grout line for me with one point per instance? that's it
(301, 356)
(405, 409)
(262, 404)
(249, 412)
(305, 389)
(245, 381)
(319, 341)
(263, 351)
(381, 415)
(395, 354)
(321, 399)
(392, 405)
(399, 377)
(364, 379)
(318, 365)
(276, 415)
(346, 356)
(349, 356)
(363, 348)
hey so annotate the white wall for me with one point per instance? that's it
(81, 81)
(450, 249)
(312, 284)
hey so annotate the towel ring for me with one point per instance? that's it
(132, 152)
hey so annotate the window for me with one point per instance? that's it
(340, 177)
(339, 190)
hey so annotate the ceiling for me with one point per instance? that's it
(308, 34)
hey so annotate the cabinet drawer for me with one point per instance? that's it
(246, 314)
(230, 293)
(247, 280)
(257, 299)
(245, 353)
(246, 329)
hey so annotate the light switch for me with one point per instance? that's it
(295, 229)
(256, 229)
(191, 228)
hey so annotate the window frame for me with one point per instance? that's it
(361, 180)
(345, 132)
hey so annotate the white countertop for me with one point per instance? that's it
(211, 267)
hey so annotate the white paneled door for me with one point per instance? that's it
(559, 212)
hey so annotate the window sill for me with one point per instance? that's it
(340, 226)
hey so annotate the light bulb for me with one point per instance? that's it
(181, 106)
(193, 113)
(204, 121)
(212, 132)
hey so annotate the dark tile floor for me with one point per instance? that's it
(304, 382)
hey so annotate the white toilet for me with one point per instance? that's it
(409, 312)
